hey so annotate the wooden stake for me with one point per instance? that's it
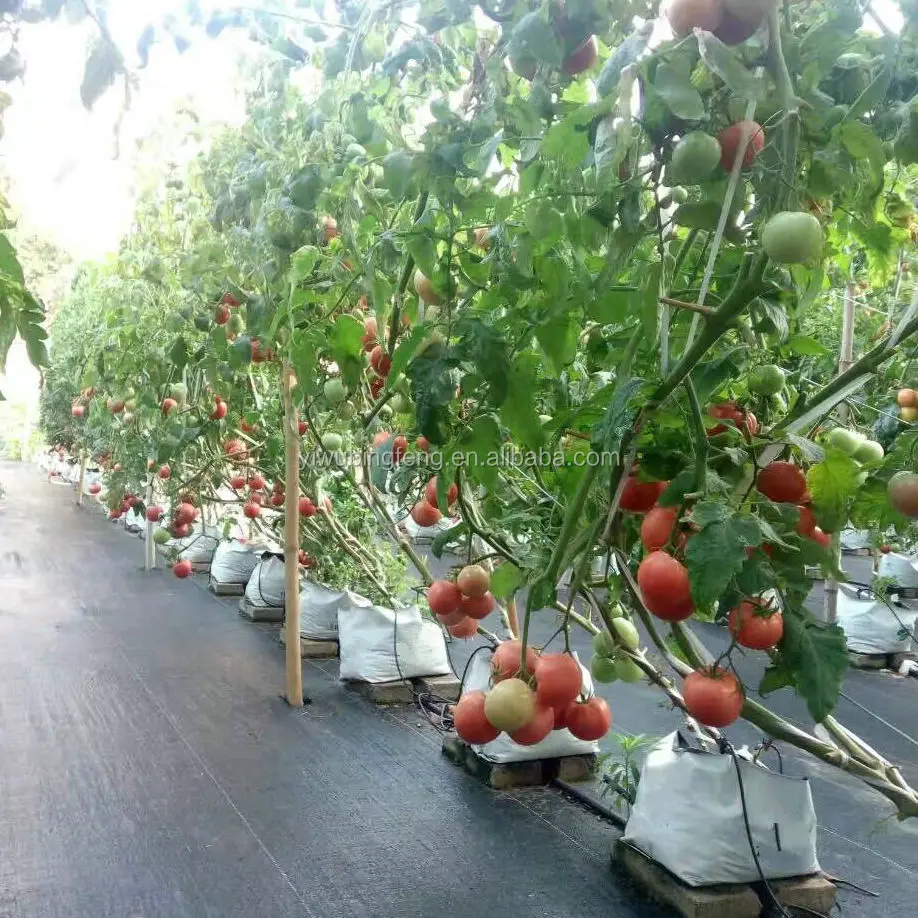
(84, 461)
(149, 560)
(292, 544)
(845, 360)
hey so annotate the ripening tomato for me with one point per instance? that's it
(219, 412)
(744, 421)
(229, 300)
(180, 531)
(559, 679)
(821, 538)
(95, 489)
(278, 499)
(221, 314)
(541, 724)
(639, 496)
(423, 443)
(470, 721)
(589, 720)
(657, 527)
(186, 513)
(302, 426)
(182, 569)
(165, 472)
(731, 137)
(782, 482)
(425, 515)
(807, 522)
(256, 483)
(473, 580)
(443, 597)
(305, 505)
(237, 482)
(430, 493)
(235, 450)
(376, 385)
(399, 448)
(251, 510)
(505, 661)
(755, 625)
(714, 699)
(477, 607)
(466, 628)
(665, 587)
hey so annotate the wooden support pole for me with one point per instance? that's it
(84, 461)
(845, 361)
(292, 543)
(149, 560)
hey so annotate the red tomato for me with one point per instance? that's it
(219, 412)
(425, 515)
(452, 618)
(755, 625)
(430, 492)
(370, 328)
(467, 628)
(714, 699)
(886, 549)
(278, 499)
(302, 426)
(251, 510)
(256, 483)
(589, 720)
(307, 507)
(423, 443)
(640, 496)
(505, 662)
(822, 538)
(542, 723)
(559, 679)
(807, 522)
(235, 450)
(657, 527)
(477, 607)
(470, 721)
(376, 356)
(95, 489)
(182, 569)
(380, 438)
(237, 482)
(186, 513)
(221, 314)
(246, 427)
(229, 300)
(665, 587)
(726, 411)
(168, 405)
(165, 472)
(443, 597)
(782, 482)
(399, 448)
(731, 137)
(180, 531)
(561, 717)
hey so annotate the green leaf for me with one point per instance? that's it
(619, 417)
(240, 352)
(558, 339)
(806, 346)
(9, 262)
(398, 173)
(302, 261)
(716, 554)
(448, 536)
(613, 305)
(506, 580)
(681, 98)
(404, 351)
(102, 66)
(346, 335)
(518, 411)
(817, 655)
(832, 484)
(566, 141)
(433, 387)
(481, 444)
(728, 65)
(650, 301)
(774, 678)
(178, 353)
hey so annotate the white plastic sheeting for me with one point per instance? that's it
(134, 520)
(383, 645)
(872, 626)
(901, 569)
(688, 816)
(91, 478)
(233, 562)
(319, 607)
(198, 548)
(424, 535)
(557, 744)
(266, 585)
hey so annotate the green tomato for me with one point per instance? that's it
(401, 404)
(792, 237)
(604, 645)
(626, 633)
(334, 390)
(602, 669)
(628, 670)
(767, 380)
(179, 391)
(347, 410)
(236, 324)
(869, 451)
(386, 412)
(678, 194)
(332, 442)
(695, 158)
(778, 403)
(848, 441)
(161, 536)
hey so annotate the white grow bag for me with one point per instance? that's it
(557, 744)
(233, 562)
(385, 645)
(266, 585)
(134, 520)
(901, 569)
(89, 480)
(871, 626)
(319, 606)
(198, 548)
(688, 816)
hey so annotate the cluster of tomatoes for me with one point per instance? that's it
(426, 512)
(528, 703)
(461, 605)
